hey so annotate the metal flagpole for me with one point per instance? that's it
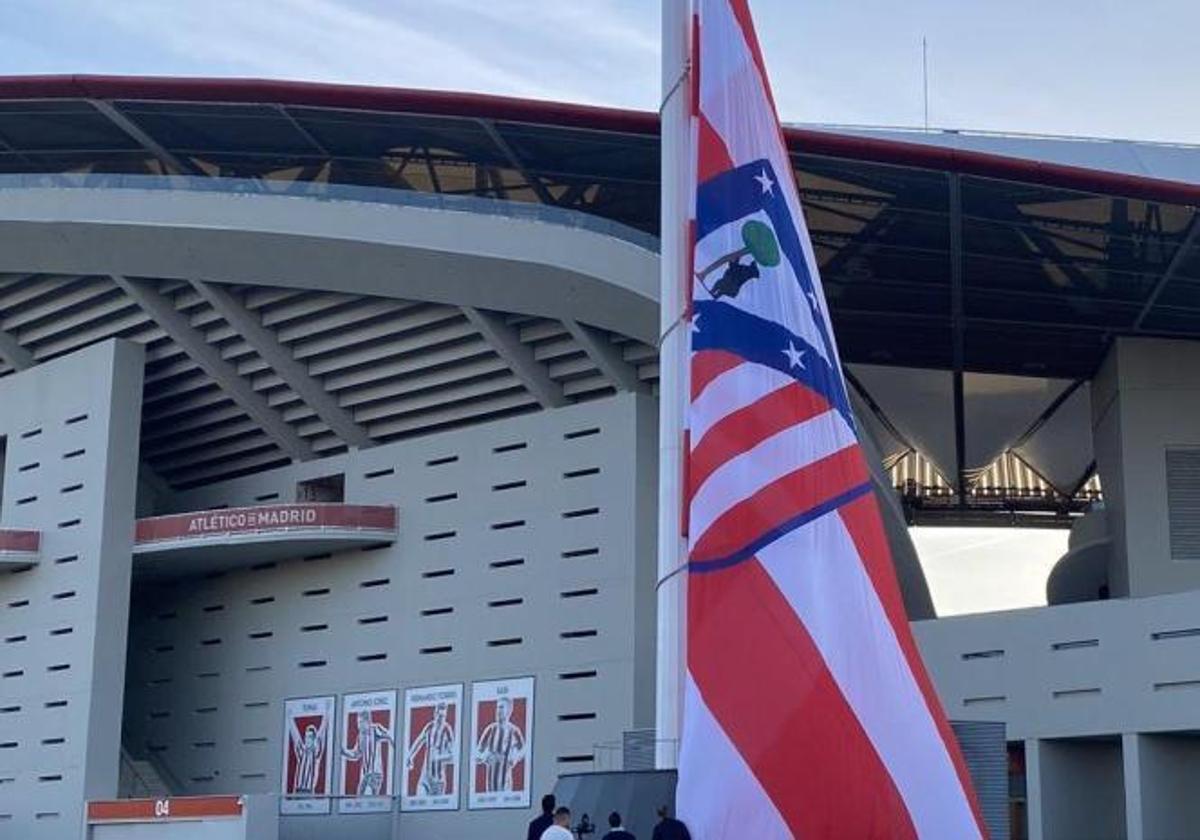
(672, 547)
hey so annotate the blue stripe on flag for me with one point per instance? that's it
(798, 521)
(720, 326)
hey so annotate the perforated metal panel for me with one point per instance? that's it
(1183, 503)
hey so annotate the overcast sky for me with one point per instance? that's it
(1084, 67)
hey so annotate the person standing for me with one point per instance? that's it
(561, 830)
(538, 825)
(616, 831)
(669, 828)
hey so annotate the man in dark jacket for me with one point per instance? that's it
(669, 828)
(615, 830)
(539, 825)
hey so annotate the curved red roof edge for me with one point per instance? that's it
(487, 106)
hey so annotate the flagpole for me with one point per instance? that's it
(672, 548)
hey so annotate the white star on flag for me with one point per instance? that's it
(767, 184)
(696, 323)
(795, 357)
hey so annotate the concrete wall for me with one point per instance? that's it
(527, 528)
(71, 469)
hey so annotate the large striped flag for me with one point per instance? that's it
(807, 711)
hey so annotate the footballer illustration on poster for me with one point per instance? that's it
(501, 743)
(367, 752)
(431, 772)
(307, 765)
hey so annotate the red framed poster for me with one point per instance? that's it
(501, 743)
(307, 777)
(432, 773)
(367, 752)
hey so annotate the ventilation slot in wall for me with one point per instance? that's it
(437, 462)
(373, 619)
(369, 584)
(78, 418)
(437, 649)
(1175, 634)
(440, 535)
(265, 599)
(577, 716)
(315, 593)
(509, 447)
(580, 552)
(582, 473)
(507, 564)
(506, 602)
(266, 497)
(69, 558)
(577, 675)
(509, 642)
(577, 514)
(313, 663)
(444, 497)
(372, 657)
(437, 611)
(582, 433)
(379, 473)
(579, 634)
(983, 654)
(508, 485)
(74, 453)
(1183, 503)
(437, 573)
(28, 467)
(1075, 644)
(581, 593)
(512, 523)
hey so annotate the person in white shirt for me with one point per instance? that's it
(560, 829)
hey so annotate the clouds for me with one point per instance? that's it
(598, 51)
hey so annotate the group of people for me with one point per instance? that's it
(555, 824)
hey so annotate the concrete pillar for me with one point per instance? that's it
(1141, 398)
(1131, 758)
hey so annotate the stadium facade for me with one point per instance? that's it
(328, 429)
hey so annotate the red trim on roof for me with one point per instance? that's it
(483, 106)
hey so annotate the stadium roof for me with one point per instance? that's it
(933, 255)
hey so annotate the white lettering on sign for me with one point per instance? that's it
(246, 520)
(162, 807)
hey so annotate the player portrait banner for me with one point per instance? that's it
(430, 770)
(367, 752)
(307, 767)
(501, 743)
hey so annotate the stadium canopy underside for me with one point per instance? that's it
(995, 284)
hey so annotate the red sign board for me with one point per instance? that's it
(24, 542)
(266, 518)
(163, 810)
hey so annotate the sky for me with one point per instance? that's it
(1106, 68)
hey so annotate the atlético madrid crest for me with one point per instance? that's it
(748, 258)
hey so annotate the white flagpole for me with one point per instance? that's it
(673, 372)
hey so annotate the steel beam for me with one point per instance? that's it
(1185, 247)
(173, 164)
(295, 374)
(193, 342)
(543, 194)
(605, 355)
(958, 333)
(508, 345)
(13, 353)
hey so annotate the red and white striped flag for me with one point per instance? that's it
(807, 710)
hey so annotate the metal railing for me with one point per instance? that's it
(319, 191)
